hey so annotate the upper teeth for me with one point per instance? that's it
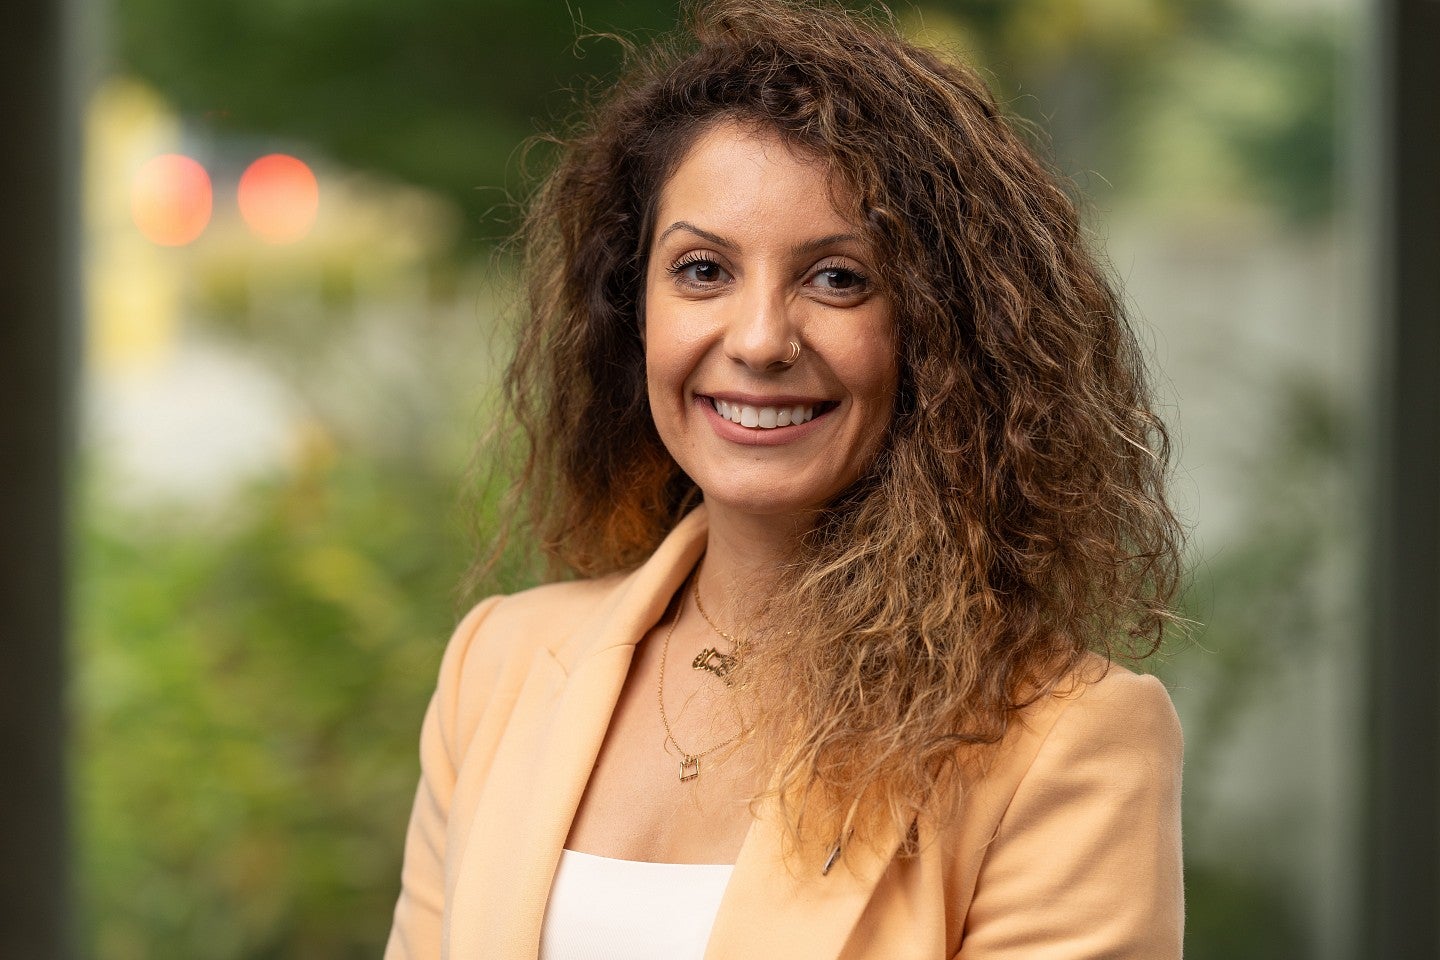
(766, 418)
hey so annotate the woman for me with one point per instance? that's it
(847, 440)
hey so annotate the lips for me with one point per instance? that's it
(763, 417)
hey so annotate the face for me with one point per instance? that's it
(750, 258)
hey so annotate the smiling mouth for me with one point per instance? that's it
(768, 418)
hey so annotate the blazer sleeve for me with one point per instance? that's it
(416, 933)
(1086, 861)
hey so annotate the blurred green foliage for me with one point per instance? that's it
(440, 93)
(1233, 914)
(437, 93)
(1261, 606)
(251, 691)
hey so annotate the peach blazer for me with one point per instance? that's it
(1067, 846)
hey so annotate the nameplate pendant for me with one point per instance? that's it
(689, 768)
(715, 662)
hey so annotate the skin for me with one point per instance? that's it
(764, 258)
(750, 253)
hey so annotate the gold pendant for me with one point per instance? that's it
(716, 662)
(689, 768)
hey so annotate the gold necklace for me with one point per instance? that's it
(711, 659)
(689, 762)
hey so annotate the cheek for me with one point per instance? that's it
(874, 366)
(676, 339)
(667, 369)
(877, 377)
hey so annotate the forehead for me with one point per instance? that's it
(749, 175)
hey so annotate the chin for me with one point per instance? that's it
(764, 500)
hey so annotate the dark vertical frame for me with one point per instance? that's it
(38, 282)
(1402, 896)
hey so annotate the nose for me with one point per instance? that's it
(760, 332)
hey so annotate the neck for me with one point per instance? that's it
(744, 554)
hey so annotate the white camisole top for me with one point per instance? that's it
(604, 909)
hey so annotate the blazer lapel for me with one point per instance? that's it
(785, 906)
(504, 878)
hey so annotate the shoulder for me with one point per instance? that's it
(1079, 810)
(1112, 690)
(507, 627)
(1103, 702)
(1105, 712)
(502, 641)
(560, 618)
(538, 615)
(1101, 731)
(504, 638)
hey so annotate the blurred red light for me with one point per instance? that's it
(279, 198)
(171, 199)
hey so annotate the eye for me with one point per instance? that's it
(697, 270)
(840, 279)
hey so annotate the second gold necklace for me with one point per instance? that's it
(689, 762)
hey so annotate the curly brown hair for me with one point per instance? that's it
(1015, 518)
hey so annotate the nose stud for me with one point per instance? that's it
(794, 355)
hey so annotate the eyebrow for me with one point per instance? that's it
(807, 246)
